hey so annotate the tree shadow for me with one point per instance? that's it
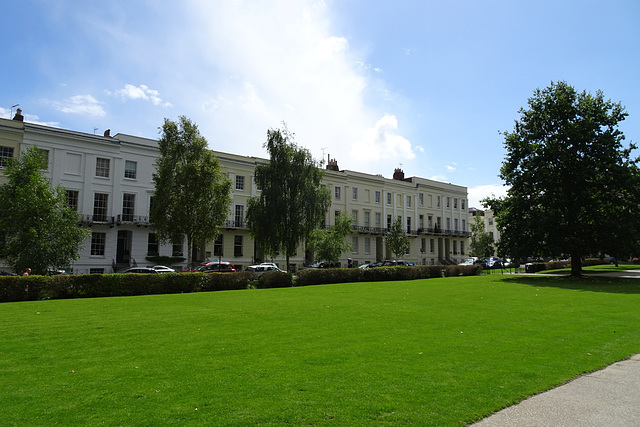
(608, 284)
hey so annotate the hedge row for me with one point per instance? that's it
(32, 288)
(344, 275)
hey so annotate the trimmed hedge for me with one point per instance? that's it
(31, 288)
(324, 276)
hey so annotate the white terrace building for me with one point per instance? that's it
(109, 182)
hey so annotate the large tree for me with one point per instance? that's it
(573, 186)
(292, 202)
(38, 229)
(191, 196)
(397, 240)
(481, 241)
(330, 244)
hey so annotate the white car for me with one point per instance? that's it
(469, 261)
(163, 269)
(262, 268)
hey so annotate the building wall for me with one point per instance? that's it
(435, 214)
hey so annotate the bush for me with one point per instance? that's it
(274, 279)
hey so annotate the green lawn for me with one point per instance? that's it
(593, 269)
(429, 352)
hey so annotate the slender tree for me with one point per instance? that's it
(481, 241)
(191, 196)
(38, 229)
(573, 186)
(330, 244)
(292, 202)
(397, 240)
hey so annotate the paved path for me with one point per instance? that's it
(609, 397)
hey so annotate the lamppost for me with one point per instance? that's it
(11, 113)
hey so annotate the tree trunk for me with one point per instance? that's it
(189, 254)
(576, 265)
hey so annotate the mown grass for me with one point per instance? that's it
(594, 269)
(428, 352)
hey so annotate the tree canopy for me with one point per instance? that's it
(330, 244)
(191, 197)
(481, 241)
(573, 186)
(397, 241)
(38, 229)
(292, 202)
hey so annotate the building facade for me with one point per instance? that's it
(108, 180)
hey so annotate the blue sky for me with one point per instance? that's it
(422, 85)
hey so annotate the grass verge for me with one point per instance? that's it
(429, 352)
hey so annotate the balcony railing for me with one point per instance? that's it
(132, 219)
(232, 223)
(90, 220)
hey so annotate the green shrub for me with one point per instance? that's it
(275, 279)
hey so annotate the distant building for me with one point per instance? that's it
(109, 182)
(490, 225)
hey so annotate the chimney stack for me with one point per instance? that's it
(107, 133)
(18, 115)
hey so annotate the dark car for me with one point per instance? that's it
(139, 270)
(6, 273)
(218, 267)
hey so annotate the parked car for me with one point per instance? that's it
(469, 261)
(139, 270)
(398, 263)
(262, 268)
(6, 273)
(163, 269)
(324, 264)
(218, 267)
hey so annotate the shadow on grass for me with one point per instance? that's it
(616, 285)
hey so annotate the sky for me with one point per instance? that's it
(425, 86)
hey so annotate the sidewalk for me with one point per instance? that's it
(609, 397)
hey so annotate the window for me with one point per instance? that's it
(177, 249)
(354, 243)
(367, 245)
(337, 193)
(464, 225)
(130, 169)
(73, 199)
(423, 245)
(5, 153)
(432, 245)
(389, 220)
(455, 247)
(239, 217)
(240, 183)
(355, 193)
(152, 245)
(354, 216)
(430, 221)
(409, 224)
(388, 198)
(367, 216)
(455, 203)
(98, 241)
(45, 154)
(96, 271)
(448, 201)
(455, 224)
(258, 186)
(377, 197)
(421, 221)
(438, 201)
(100, 203)
(128, 206)
(448, 224)
(490, 221)
(378, 220)
(102, 167)
(336, 214)
(408, 201)
(237, 246)
(421, 199)
(462, 247)
(462, 203)
(217, 246)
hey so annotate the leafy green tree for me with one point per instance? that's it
(38, 229)
(292, 202)
(573, 186)
(481, 241)
(397, 240)
(191, 196)
(330, 244)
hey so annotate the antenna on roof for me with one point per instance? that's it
(94, 130)
(11, 112)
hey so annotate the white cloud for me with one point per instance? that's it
(80, 104)
(451, 168)
(381, 142)
(481, 191)
(141, 92)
